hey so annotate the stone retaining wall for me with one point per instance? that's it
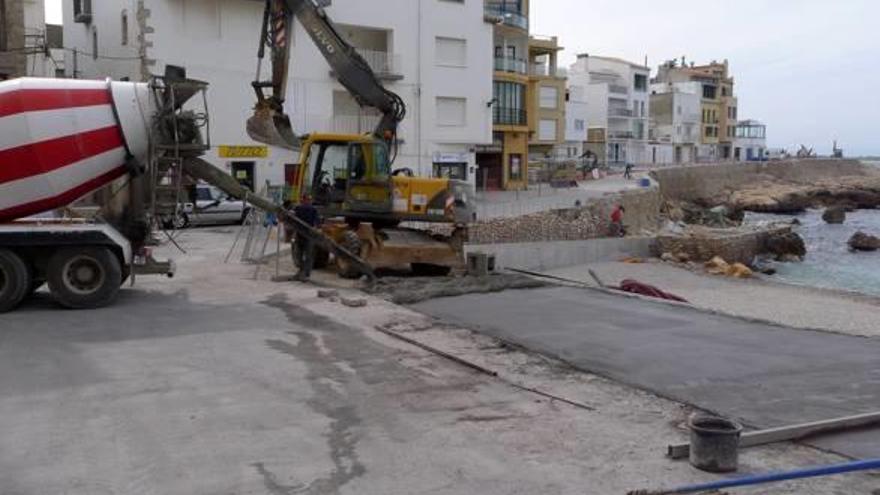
(710, 181)
(542, 256)
(588, 222)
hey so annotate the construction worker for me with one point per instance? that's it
(617, 228)
(304, 247)
(627, 172)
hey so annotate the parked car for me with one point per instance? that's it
(211, 206)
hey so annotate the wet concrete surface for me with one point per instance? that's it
(764, 375)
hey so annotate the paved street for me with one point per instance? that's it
(213, 383)
(766, 375)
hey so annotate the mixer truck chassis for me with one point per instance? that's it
(84, 265)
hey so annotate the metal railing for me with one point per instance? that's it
(547, 71)
(621, 135)
(511, 15)
(508, 116)
(618, 89)
(510, 64)
(620, 112)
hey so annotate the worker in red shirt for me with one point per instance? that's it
(617, 228)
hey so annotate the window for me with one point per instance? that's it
(547, 130)
(82, 11)
(124, 24)
(641, 82)
(549, 96)
(451, 112)
(516, 167)
(579, 124)
(678, 110)
(450, 52)
(509, 103)
(709, 91)
(643, 109)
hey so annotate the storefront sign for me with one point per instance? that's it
(441, 157)
(244, 152)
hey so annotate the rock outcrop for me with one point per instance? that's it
(735, 245)
(785, 244)
(861, 241)
(834, 215)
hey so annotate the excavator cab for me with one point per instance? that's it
(347, 175)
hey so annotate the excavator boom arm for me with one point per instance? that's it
(349, 67)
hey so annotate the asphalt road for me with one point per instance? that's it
(765, 375)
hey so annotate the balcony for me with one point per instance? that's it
(508, 116)
(386, 65)
(544, 70)
(620, 112)
(510, 14)
(508, 64)
(621, 135)
(618, 89)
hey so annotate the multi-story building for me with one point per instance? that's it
(23, 40)
(576, 117)
(504, 163)
(435, 54)
(618, 107)
(546, 98)
(676, 119)
(718, 104)
(751, 141)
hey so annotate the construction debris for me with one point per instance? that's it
(328, 293)
(356, 302)
(411, 290)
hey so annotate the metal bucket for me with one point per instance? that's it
(714, 444)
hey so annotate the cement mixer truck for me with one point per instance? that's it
(61, 139)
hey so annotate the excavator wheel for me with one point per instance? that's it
(351, 242)
(15, 280)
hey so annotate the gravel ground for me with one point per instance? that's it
(790, 305)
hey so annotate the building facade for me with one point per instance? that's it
(504, 163)
(618, 107)
(546, 99)
(718, 104)
(676, 121)
(23, 40)
(435, 54)
(576, 118)
(751, 141)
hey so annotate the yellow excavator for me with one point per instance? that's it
(350, 178)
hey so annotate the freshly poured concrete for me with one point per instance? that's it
(763, 374)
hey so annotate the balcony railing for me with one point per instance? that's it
(545, 70)
(620, 112)
(621, 135)
(511, 15)
(508, 64)
(618, 89)
(508, 116)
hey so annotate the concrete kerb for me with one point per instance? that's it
(559, 254)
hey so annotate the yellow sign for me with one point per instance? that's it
(244, 152)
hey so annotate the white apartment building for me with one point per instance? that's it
(618, 106)
(576, 118)
(436, 54)
(675, 121)
(751, 141)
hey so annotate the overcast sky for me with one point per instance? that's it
(810, 69)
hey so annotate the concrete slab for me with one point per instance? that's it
(765, 375)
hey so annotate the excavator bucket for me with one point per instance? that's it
(273, 128)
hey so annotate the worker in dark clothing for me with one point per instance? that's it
(627, 173)
(304, 247)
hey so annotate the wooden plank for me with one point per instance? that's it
(789, 433)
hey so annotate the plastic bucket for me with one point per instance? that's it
(714, 444)
(645, 182)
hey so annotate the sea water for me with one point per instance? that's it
(829, 262)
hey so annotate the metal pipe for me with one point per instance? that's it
(814, 472)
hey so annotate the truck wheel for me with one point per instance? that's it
(352, 243)
(84, 278)
(15, 280)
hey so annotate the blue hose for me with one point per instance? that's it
(759, 479)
